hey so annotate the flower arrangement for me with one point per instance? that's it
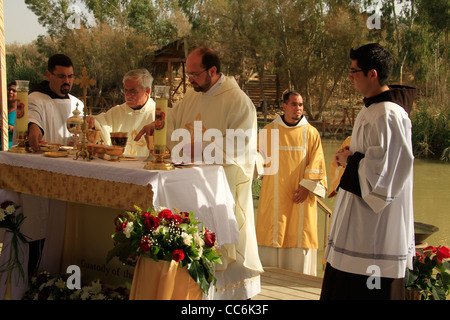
(430, 274)
(11, 220)
(166, 235)
(45, 286)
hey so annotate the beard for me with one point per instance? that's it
(204, 87)
(65, 89)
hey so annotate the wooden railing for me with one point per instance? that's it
(334, 125)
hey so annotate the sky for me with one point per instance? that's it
(21, 24)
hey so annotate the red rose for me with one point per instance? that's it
(145, 244)
(210, 239)
(151, 222)
(122, 226)
(176, 219)
(119, 225)
(145, 215)
(165, 214)
(177, 255)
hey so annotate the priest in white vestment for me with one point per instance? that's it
(294, 176)
(137, 111)
(371, 237)
(217, 106)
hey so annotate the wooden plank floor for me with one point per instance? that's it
(280, 284)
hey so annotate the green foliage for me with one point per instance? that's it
(430, 133)
(24, 63)
(430, 274)
(304, 42)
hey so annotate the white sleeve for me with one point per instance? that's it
(388, 159)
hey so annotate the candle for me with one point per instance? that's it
(162, 101)
(22, 108)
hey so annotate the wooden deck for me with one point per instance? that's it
(280, 284)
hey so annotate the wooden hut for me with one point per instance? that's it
(167, 65)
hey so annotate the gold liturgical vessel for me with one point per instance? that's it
(75, 125)
(160, 133)
(22, 118)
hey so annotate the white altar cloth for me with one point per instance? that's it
(202, 189)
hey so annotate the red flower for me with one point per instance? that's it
(421, 258)
(120, 226)
(145, 215)
(176, 219)
(177, 255)
(151, 222)
(145, 244)
(210, 238)
(185, 216)
(431, 249)
(6, 204)
(165, 214)
(442, 253)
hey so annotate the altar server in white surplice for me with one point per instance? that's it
(217, 106)
(286, 226)
(49, 107)
(137, 111)
(371, 237)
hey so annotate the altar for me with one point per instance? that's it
(95, 192)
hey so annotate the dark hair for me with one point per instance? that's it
(58, 60)
(12, 83)
(288, 94)
(209, 58)
(374, 56)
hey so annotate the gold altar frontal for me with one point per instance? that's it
(92, 206)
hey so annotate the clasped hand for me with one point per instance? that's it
(342, 155)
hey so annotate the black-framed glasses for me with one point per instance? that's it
(63, 76)
(195, 75)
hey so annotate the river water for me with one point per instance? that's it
(431, 196)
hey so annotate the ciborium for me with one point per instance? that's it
(75, 125)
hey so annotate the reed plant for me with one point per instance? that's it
(431, 133)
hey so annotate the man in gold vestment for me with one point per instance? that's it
(217, 105)
(294, 175)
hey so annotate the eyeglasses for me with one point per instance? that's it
(195, 75)
(352, 71)
(63, 76)
(131, 92)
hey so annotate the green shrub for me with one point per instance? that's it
(431, 134)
